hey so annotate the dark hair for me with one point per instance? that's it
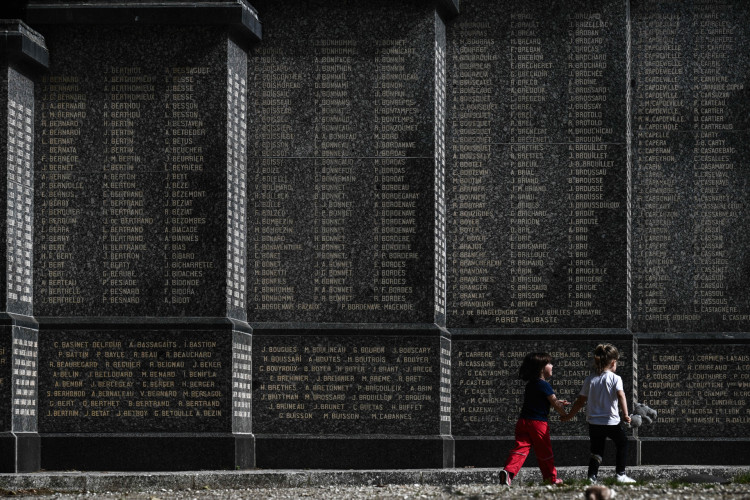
(604, 354)
(533, 364)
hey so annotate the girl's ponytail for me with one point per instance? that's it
(604, 354)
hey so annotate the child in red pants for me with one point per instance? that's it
(532, 428)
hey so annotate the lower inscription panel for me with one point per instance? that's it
(698, 389)
(487, 394)
(145, 381)
(320, 384)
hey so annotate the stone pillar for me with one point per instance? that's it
(346, 238)
(537, 210)
(691, 152)
(23, 56)
(140, 251)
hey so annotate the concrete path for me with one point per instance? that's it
(100, 482)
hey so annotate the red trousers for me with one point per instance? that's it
(536, 433)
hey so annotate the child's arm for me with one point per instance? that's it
(558, 404)
(579, 403)
(623, 406)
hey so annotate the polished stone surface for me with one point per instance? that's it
(537, 183)
(342, 149)
(690, 148)
(131, 177)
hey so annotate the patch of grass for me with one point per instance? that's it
(611, 481)
(24, 493)
(743, 478)
(677, 483)
(576, 483)
(638, 482)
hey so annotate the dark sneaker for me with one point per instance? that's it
(505, 478)
(592, 479)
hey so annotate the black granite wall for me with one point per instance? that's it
(140, 244)
(538, 209)
(333, 247)
(691, 75)
(690, 152)
(346, 253)
(537, 186)
(342, 143)
(22, 56)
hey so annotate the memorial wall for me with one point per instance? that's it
(690, 151)
(537, 189)
(140, 241)
(538, 208)
(23, 56)
(330, 245)
(346, 240)
(690, 123)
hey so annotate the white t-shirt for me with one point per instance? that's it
(601, 391)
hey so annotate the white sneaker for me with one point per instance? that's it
(624, 479)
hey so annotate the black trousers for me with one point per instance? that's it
(598, 435)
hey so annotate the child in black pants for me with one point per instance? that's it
(603, 392)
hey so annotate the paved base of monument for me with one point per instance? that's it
(99, 482)
(152, 452)
(19, 452)
(490, 451)
(690, 451)
(353, 452)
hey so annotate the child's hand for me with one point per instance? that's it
(626, 418)
(564, 402)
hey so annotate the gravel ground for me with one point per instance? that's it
(465, 492)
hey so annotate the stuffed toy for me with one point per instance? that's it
(598, 492)
(642, 414)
